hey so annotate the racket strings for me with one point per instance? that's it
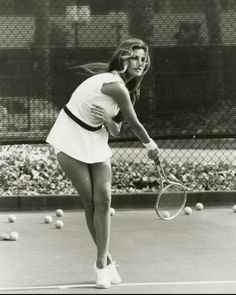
(171, 195)
(171, 200)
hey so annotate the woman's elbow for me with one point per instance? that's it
(115, 133)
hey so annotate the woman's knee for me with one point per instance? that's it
(101, 177)
(102, 199)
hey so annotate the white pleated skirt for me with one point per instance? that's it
(77, 142)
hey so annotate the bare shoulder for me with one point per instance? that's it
(115, 89)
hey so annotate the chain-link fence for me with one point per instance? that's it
(187, 99)
(201, 165)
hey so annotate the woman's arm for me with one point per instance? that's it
(121, 95)
(112, 127)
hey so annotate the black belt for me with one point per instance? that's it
(78, 121)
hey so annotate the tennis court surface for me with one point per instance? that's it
(190, 254)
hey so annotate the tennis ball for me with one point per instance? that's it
(188, 210)
(199, 206)
(4, 236)
(112, 211)
(166, 214)
(11, 218)
(59, 212)
(59, 224)
(14, 236)
(234, 208)
(48, 219)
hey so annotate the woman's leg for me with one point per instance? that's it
(93, 183)
(78, 172)
(101, 179)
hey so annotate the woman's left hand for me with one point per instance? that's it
(100, 113)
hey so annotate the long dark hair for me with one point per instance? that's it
(117, 63)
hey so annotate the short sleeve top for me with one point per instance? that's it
(88, 93)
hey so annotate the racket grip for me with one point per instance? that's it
(157, 161)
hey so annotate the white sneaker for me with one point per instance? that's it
(113, 273)
(103, 278)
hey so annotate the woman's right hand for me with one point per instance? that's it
(153, 154)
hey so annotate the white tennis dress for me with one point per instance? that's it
(68, 136)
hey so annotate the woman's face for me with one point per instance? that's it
(136, 63)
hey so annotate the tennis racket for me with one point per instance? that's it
(171, 197)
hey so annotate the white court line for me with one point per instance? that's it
(123, 284)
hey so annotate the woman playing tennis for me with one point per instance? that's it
(80, 134)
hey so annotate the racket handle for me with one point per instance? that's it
(157, 161)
